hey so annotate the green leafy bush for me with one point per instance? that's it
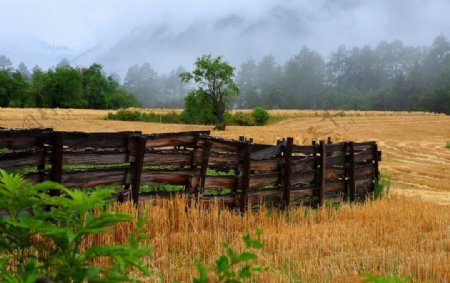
(233, 266)
(383, 187)
(128, 115)
(243, 119)
(448, 145)
(197, 109)
(45, 236)
(260, 116)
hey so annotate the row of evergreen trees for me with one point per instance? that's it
(63, 86)
(391, 76)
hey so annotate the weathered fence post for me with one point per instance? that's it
(377, 169)
(137, 168)
(57, 160)
(287, 154)
(323, 163)
(204, 166)
(245, 181)
(351, 172)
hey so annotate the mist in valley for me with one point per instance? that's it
(288, 54)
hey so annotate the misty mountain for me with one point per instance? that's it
(32, 50)
(166, 46)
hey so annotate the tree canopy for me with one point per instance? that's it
(213, 79)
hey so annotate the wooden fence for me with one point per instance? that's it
(237, 173)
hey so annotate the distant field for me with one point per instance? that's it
(413, 143)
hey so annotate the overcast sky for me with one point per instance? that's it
(83, 24)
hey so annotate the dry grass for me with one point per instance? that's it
(384, 237)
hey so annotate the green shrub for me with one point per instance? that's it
(448, 145)
(43, 235)
(197, 109)
(233, 266)
(260, 116)
(128, 115)
(243, 119)
(383, 187)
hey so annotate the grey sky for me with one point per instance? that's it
(27, 26)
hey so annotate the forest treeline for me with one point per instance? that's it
(63, 86)
(390, 76)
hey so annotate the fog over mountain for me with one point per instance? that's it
(171, 33)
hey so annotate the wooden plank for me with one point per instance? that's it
(15, 160)
(364, 170)
(88, 178)
(96, 140)
(167, 176)
(221, 182)
(335, 173)
(182, 139)
(298, 194)
(260, 181)
(245, 183)
(16, 139)
(266, 197)
(335, 147)
(304, 149)
(57, 141)
(337, 185)
(365, 156)
(322, 183)
(307, 163)
(267, 153)
(258, 147)
(159, 158)
(265, 165)
(335, 161)
(220, 145)
(304, 177)
(137, 168)
(223, 160)
(94, 157)
(363, 146)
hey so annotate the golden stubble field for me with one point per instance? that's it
(407, 234)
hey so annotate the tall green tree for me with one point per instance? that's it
(38, 80)
(95, 87)
(64, 89)
(213, 77)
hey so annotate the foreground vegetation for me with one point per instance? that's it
(386, 238)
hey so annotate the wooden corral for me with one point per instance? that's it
(237, 173)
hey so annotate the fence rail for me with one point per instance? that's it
(238, 173)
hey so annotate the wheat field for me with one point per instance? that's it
(407, 233)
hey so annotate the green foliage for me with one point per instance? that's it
(447, 145)
(390, 279)
(198, 109)
(243, 119)
(214, 80)
(43, 235)
(234, 267)
(129, 115)
(382, 187)
(260, 115)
